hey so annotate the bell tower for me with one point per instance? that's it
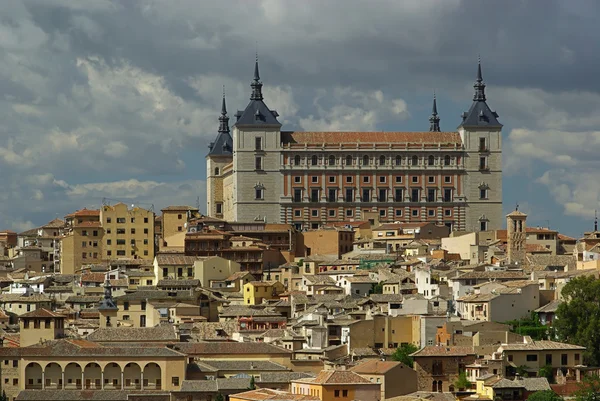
(516, 235)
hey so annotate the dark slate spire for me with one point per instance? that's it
(479, 85)
(480, 114)
(434, 120)
(223, 145)
(223, 119)
(107, 303)
(256, 84)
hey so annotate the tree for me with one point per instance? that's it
(402, 354)
(3, 397)
(577, 319)
(219, 397)
(546, 372)
(377, 288)
(546, 395)
(589, 389)
(462, 382)
(522, 370)
(252, 385)
(529, 326)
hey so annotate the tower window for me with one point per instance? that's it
(482, 163)
(219, 207)
(482, 146)
(258, 165)
(216, 171)
(483, 194)
(258, 143)
(258, 193)
(483, 225)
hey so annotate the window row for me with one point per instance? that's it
(122, 231)
(123, 220)
(382, 179)
(123, 242)
(382, 213)
(122, 252)
(380, 195)
(382, 160)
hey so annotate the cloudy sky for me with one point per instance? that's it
(119, 99)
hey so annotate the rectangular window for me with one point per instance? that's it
(483, 225)
(331, 213)
(398, 212)
(108, 220)
(381, 214)
(83, 244)
(415, 179)
(258, 193)
(297, 213)
(336, 393)
(314, 212)
(382, 179)
(448, 212)
(219, 207)
(532, 358)
(483, 194)
(314, 179)
(366, 195)
(382, 195)
(297, 195)
(145, 220)
(398, 179)
(415, 212)
(447, 179)
(398, 195)
(349, 195)
(120, 220)
(332, 179)
(344, 393)
(447, 194)
(258, 143)
(314, 195)
(145, 230)
(258, 163)
(175, 381)
(414, 195)
(120, 231)
(332, 196)
(133, 230)
(431, 179)
(120, 242)
(314, 160)
(297, 180)
(564, 360)
(366, 179)
(431, 195)
(431, 212)
(84, 233)
(95, 233)
(121, 252)
(349, 213)
(482, 146)
(349, 179)
(482, 163)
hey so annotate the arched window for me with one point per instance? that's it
(431, 160)
(348, 160)
(332, 160)
(439, 386)
(446, 160)
(216, 171)
(365, 160)
(297, 160)
(398, 160)
(434, 386)
(414, 160)
(314, 160)
(382, 160)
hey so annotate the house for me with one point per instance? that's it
(385, 332)
(338, 385)
(264, 394)
(356, 285)
(438, 367)
(255, 292)
(395, 377)
(428, 282)
(494, 387)
(533, 355)
(547, 312)
(463, 284)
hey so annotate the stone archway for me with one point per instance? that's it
(73, 377)
(132, 374)
(33, 376)
(92, 376)
(152, 377)
(112, 376)
(53, 376)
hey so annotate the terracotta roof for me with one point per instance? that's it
(540, 230)
(516, 213)
(337, 377)
(142, 334)
(237, 276)
(262, 283)
(536, 248)
(435, 350)
(42, 313)
(217, 348)
(84, 212)
(93, 278)
(375, 366)
(179, 208)
(319, 138)
(499, 275)
(56, 223)
(177, 260)
(563, 237)
(92, 224)
(263, 394)
(541, 345)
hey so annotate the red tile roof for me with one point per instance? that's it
(42, 313)
(370, 137)
(84, 212)
(337, 377)
(375, 366)
(436, 350)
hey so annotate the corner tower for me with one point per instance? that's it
(257, 179)
(516, 236)
(219, 156)
(481, 134)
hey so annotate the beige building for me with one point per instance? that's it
(128, 232)
(395, 377)
(310, 179)
(385, 332)
(40, 325)
(207, 269)
(438, 367)
(333, 241)
(399, 236)
(174, 225)
(82, 244)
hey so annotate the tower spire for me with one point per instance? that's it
(223, 118)
(256, 84)
(479, 84)
(434, 120)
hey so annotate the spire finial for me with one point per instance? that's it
(479, 85)
(223, 118)
(595, 220)
(434, 120)
(256, 84)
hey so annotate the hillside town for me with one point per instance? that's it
(327, 266)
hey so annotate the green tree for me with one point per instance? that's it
(219, 397)
(578, 318)
(462, 382)
(402, 354)
(546, 372)
(589, 389)
(529, 326)
(377, 288)
(546, 395)
(522, 370)
(252, 385)
(3, 397)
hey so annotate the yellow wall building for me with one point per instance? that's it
(256, 291)
(338, 385)
(128, 232)
(82, 241)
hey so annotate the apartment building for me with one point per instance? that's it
(128, 232)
